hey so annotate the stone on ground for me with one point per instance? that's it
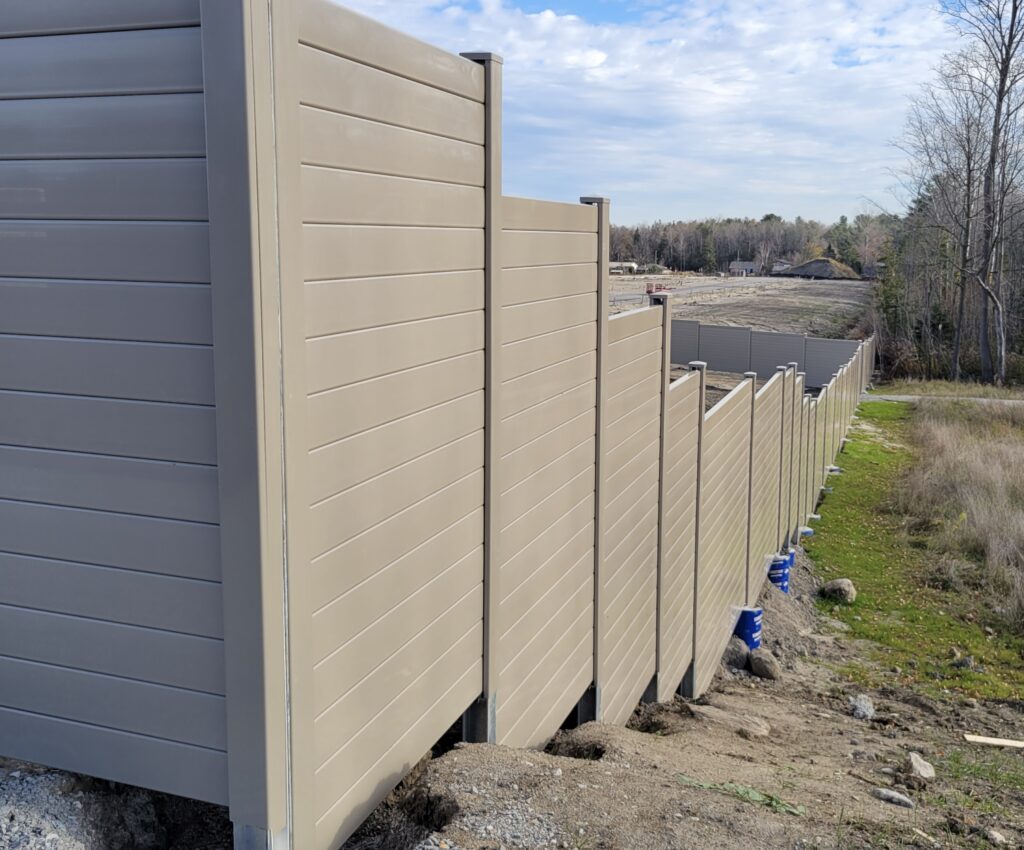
(917, 766)
(887, 795)
(862, 707)
(764, 665)
(841, 590)
(736, 655)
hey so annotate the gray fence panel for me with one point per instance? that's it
(685, 341)
(725, 349)
(824, 357)
(770, 350)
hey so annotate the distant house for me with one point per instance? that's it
(781, 266)
(742, 268)
(623, 268)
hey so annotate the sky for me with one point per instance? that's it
(697, 109)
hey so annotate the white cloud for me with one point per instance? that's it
(698, 108)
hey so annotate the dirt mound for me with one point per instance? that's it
(824, 268)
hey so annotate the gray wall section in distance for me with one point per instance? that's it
(725, 349)
(769, 350)
(111, 632)
(685, 341)
(824, 357)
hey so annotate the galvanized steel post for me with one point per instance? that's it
(480, 723)
(590, 705)
(663, 299)
(688, 687)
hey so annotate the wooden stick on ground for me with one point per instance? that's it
(994, 742)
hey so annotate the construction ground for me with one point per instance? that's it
(824, 308)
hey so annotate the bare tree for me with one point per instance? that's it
(995, 31)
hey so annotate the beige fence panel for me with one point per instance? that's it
(627, 591)
(722, 529)
(682, 457)
(766, 460)
(811, 468)
(394, 370)
(545, 549)
(807, 459)
(725, 349)
(795, 519)
(768, 350)
(789, 458)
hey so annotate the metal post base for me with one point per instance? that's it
(255, 838)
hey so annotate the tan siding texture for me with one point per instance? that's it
(545, 551)
(676, 603)
(111, 622)
(764, 497)
(721, 570)
(392, 204)
(628, 575)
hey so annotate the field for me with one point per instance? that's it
(815, 307)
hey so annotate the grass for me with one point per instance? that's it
(965, 498)
(999, 767)
(963, 389)
(916, 626)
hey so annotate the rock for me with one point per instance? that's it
(917, 766)
(862, 707)
(971, 702)
(764, 665)
(737, 653)
(748, 727)
(841, 590)
(996, 838)
(895, 798)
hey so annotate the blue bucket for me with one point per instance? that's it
(791, 557)
(748, 629)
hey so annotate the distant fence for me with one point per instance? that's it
(375, 436)
(727, 348)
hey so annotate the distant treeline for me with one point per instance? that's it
(710, 245)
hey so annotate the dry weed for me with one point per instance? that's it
(967, 494)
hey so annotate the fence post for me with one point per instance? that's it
(688, 686)
(479, 723)
(590, 706)
(663, 299)
(752, 377)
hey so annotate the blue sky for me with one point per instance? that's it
(697, 108)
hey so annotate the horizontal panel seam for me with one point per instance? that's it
(390, 71)
(116, 729)
(88, 619)
(110, 512)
